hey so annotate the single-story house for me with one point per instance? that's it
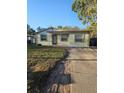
(52, 37)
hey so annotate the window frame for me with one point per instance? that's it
(65, 38)
(79, 38)
(42, 38)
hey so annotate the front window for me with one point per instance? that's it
(78, 38)
(43, 37)
(64, 37)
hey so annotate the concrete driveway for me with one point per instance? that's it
(77, 74)
(82, 53)
(83, 70)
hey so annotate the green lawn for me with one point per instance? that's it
(40, 61)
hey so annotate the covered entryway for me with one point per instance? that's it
(54, 39)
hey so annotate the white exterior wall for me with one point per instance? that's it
(71, 41)
(48, 42)
(87, 40)
(62, 43)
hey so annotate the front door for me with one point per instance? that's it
(54, 39)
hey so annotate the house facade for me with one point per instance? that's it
(63, 38)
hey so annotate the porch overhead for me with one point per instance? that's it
(67, 32)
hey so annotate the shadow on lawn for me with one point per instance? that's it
(37, 81)
(59, 77)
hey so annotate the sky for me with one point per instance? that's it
(45, 13)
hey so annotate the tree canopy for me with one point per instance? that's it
(93, 27)
(86, 10)
(30, 31)
(65, 28)
(87, 13)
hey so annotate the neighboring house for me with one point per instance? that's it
(51, 37)
(31, 39)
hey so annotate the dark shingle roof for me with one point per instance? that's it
(44, 30)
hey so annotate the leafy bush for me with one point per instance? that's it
(39, 45)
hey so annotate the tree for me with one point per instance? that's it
(28, 27)
(93, 27)
(66, 28)
(30, 31)
(51, 27)
(75, 28)
(86, 10)
(87, 13)
(40, 29)
(59, 27)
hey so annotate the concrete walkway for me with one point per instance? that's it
(83, 70)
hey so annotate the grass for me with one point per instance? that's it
(40, 62)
